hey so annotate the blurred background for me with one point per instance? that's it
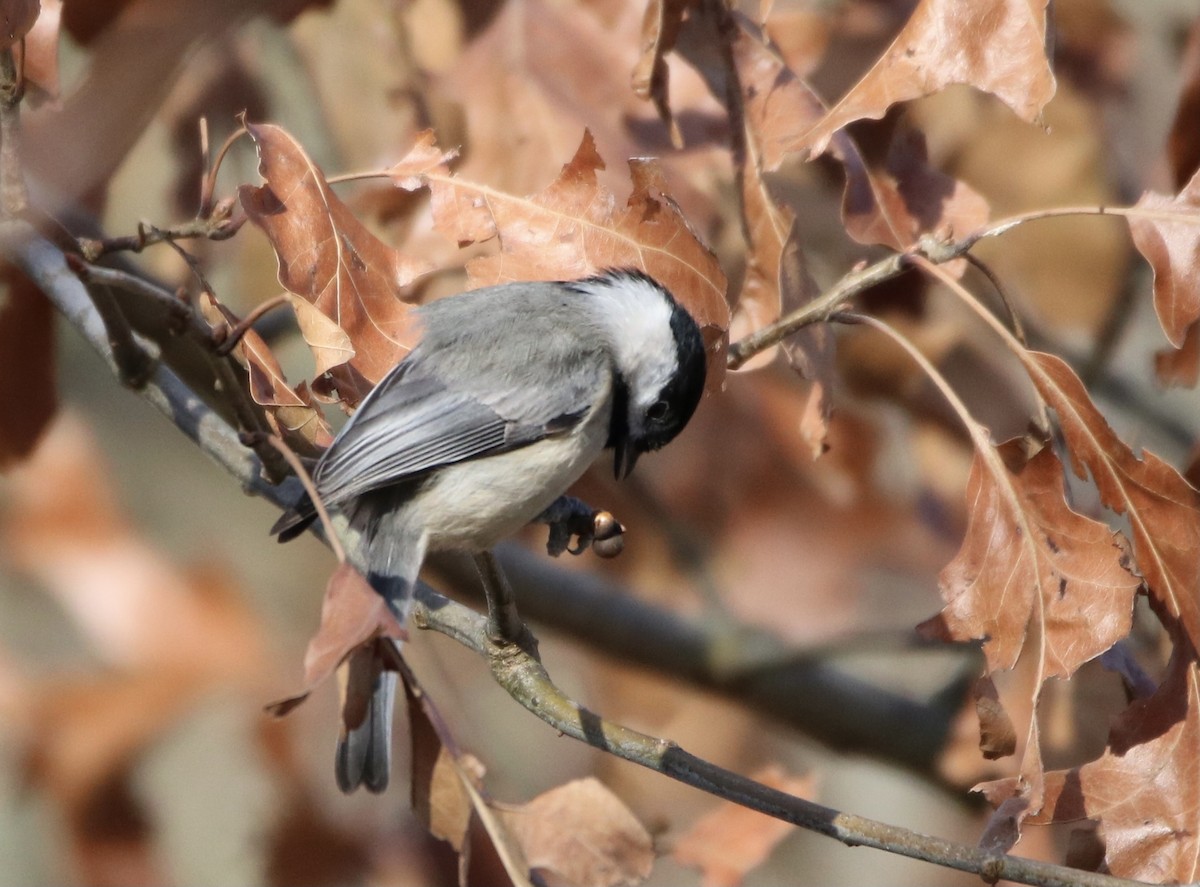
(146, 617)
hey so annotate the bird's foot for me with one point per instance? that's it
(569, 518)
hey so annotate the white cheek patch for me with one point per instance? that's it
(638, 319)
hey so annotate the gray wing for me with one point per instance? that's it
(413, 423)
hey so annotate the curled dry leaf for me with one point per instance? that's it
(329, 258)
(41, 49)
(891, 200)
(660, 28)
(448, 790)
(29, 400)
(1145, 789)
(1027, 557)
(1034, 581)
(1163, 510)
(1180, 367)
(1166, 231)
(997, 46)
(353, 615)
(583, 834)
(729, 842)
(16, 18)
(290, 410)
(574, 228)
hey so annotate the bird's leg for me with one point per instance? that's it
(569, 517)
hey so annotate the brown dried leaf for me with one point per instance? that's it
(64, 527)
(41, 49)
(1180, 367)
(447, 788)
(353, 615)
(1183, 141)
(28, 400)
(1163, 510)
(535, 77)
(895, 201)
(1028, 558)
(660, 28)
(574, 228)
(439, 798)
(1145, 789)
(291, 410)
(423, 158)
(583, 834)
(1166, 231)
(775, 268)
(891, 199)
(16, 18)
(329, 258)
(1034, 581)
(997, 46)
(729, 842)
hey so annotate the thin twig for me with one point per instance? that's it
(816, 311)
(209, 184)
(234, 334)
(14, 196)
(1014, 316)
(221, 225)
(306, 481)
(524, 678)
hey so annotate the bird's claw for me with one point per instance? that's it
(569, 518)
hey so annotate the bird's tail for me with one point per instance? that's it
(393, 560)
(364, 749)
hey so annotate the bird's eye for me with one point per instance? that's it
(658, 411)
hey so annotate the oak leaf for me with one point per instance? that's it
(574, 228)
(997, 46)
(889, 200)
(583, 834)
(1162, 509)
(1027, 557)
(1036, 582)
(1144, 789)
(329, 258)
(353, 616)
(1166, 231)
(16, 18)
(660, 29)
(291, 410)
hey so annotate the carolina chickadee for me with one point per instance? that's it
(511, 393)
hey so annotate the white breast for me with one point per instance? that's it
(475, 504)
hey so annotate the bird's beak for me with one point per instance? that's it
(624, 458)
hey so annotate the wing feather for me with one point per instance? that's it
(478, 401)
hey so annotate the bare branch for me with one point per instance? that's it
(524, 678)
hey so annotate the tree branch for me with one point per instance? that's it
(519, 672)
(524, 678)
(46, 265)
(753, 667)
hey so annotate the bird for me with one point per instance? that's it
(510, 394)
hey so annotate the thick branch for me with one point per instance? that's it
(524, 678)
(46, 265)
(753, 667)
